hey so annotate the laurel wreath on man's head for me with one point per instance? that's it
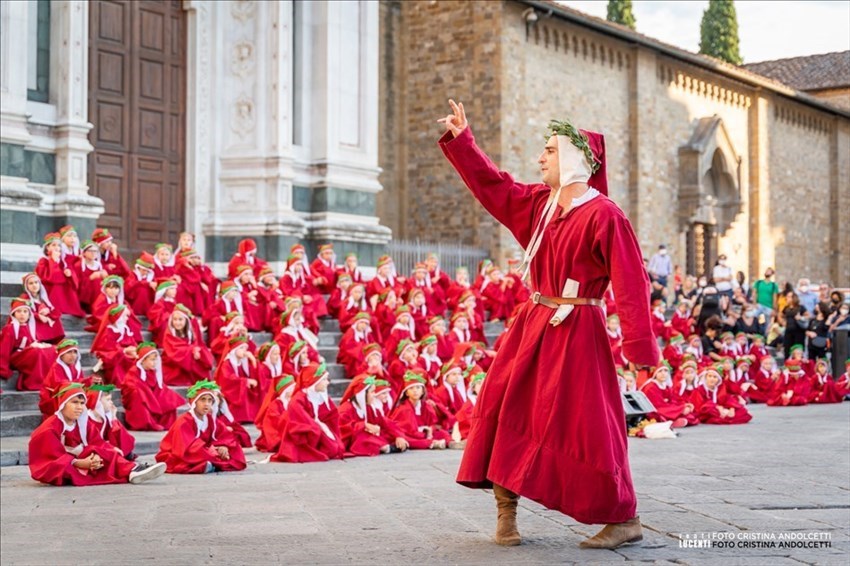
(578, 139)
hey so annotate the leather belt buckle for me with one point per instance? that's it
(535, 297)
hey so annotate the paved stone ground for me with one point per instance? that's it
(787, 471)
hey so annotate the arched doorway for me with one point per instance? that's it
(709, 192)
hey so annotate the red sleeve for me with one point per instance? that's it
(49, 270)
(511, 203)
(622, 254)
(49, 462)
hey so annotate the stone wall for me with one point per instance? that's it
(799, 164)
(447, 50)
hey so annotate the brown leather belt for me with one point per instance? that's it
(555, 302)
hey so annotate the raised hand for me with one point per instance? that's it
(456, 121)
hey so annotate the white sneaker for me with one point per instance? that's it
(148, 473)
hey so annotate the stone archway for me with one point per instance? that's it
(709, 191)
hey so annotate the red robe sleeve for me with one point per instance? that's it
(511, 203)
(621, 252)
(49, 462)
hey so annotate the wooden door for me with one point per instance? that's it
(137, 101)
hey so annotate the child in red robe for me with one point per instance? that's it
(433, 295)
(714, 405)
(793, 387)
(460, 332)
(445, 346)
(824, 388)
(66, 369)
(419, 311)
(20, 350)
(668, 406)
(67, 449)
(297, 283)
(58, 278)
(439, 280)
(104, 415)
(496, 299)
(89, 273)
(195, 444)
(338, 295)
(464, 415)
(682, 321)
(271, 418)
(416, 417)
(70, 245)
(140, 286)
(406, 358)
(111, 295)
(460, 285)
(354, 304)
(149, 404)
(229, 300)
(403, 328)
(450, 395)
(115, 345)
(253, 305)
(757, 349)
(687, 382)
(429, 360)
(225, 420)
(312, 432)
(160, 312)
(163, 262)
(185, 357)
(293, 329)
(361, 437)
(48, 319)
(351, 268)
(843, 382)
(350, 352)
(469, 304)
(324, 269)
(111, 260)
(385, 280)
(615, 339)
(198, 284)
(246, 255)
(764, 380)
(237, 376)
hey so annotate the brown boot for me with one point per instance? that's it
(506, 531)
(615, 535)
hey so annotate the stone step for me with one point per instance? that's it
(19, 423)
(328, 325)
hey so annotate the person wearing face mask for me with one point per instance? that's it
(818, 332)
(766, 292)
(660, 266)
(808, 297)
(836, 299)
(840, 317)
(749, 322)
(722, 276)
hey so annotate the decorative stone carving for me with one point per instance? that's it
(242, 119)
(242, 60)
(243, 10)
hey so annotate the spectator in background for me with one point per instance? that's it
(782, 300)
(688, 292)
(839, 317)
(818, 332)
(678, 281)
(660, 265)
(823, 293)
(765, 293)
(808, 297)
(796, 319)
(722, 276)
(741, 283)
(836, 299)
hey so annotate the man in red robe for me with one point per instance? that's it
(569, 453)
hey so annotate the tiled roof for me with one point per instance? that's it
(813, 72)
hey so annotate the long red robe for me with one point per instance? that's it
(358, 442)
(184, 451)
(669, 406)
(549, 422)
(158, 316)
(179, 366)
(139, 293)
(320, 269)
(100, 310)
(18, 353)
(244, 401)
(147, 406)
(113, 432)
(271, 426)
(302, 439)
(109, 346)
(825, 390)
(190, 292)
(51, 331)
(800, 386)
(61, 289)
(50, 462)
(410, 423)
(706, 407)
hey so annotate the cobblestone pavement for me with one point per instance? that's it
(787, 472)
